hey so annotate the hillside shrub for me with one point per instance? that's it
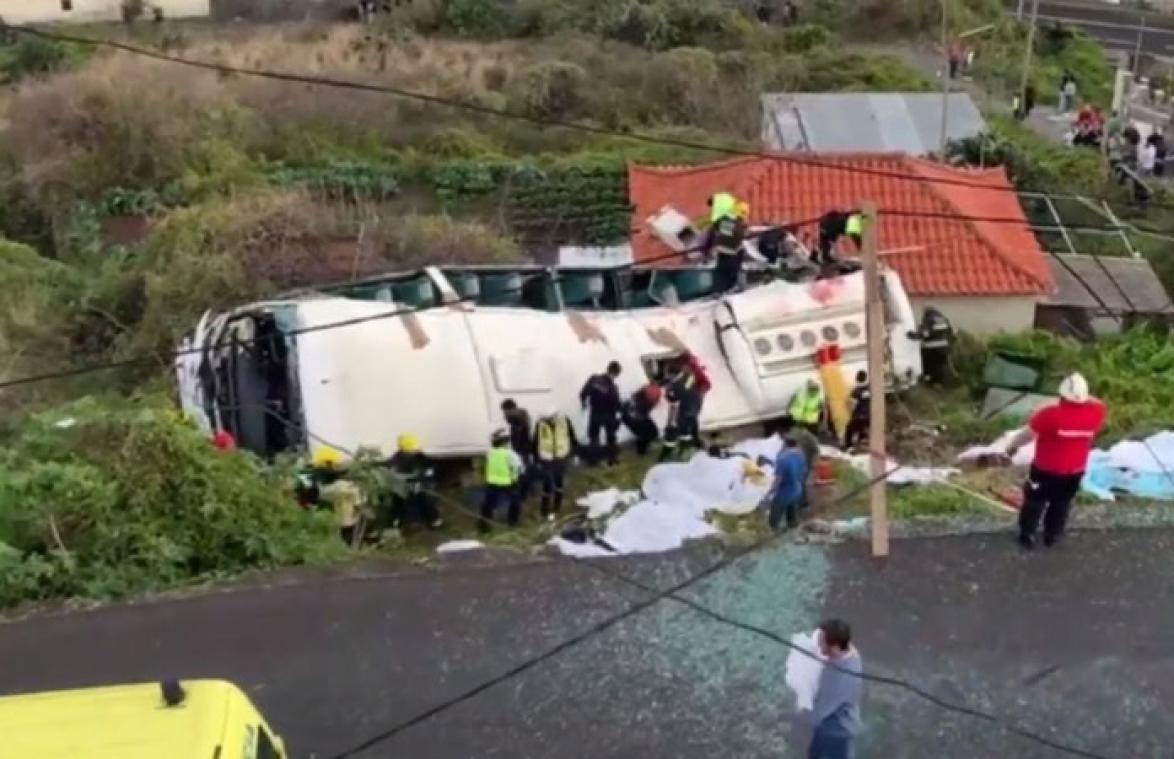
(552, 89)
(99, 499)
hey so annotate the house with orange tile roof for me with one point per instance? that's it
(957, 236)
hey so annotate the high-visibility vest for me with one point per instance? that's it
(554, 438)
(855, 225)
(724, 204)
(806, 407)
(499, 468)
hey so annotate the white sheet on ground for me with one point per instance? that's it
(678, 496)
(802, 671)
(603, 502)
(1140, 468)
(1023, 456)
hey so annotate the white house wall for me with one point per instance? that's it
(85, 11)
(983, 315)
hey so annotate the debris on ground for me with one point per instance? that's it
(460, 546)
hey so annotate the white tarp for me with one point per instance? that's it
(1139, 468)
(678, 496)
(803, 671)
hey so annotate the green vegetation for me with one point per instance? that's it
(102, 499)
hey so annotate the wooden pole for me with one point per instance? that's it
(878, 460)
(1027, 54)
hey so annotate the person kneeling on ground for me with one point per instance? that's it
(787, 492)
(413, 477)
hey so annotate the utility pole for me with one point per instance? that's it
(1019, 11)
(945, 78)
(875, 324)
(1137, 50)
(1027, 53)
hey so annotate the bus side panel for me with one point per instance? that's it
(367, 383)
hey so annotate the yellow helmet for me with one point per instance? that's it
(743, 210)
(408, 443)
(327, 458)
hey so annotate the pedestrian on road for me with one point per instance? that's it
(954, 57)
(601, 395)
(786, 493)
(503, 469)
(1067, 99)
(1063, 434)
(835, 713)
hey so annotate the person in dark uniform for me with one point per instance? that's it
(861, 416)
(937, 336)
(601, 395)
(834, 225)
(725, 242)
(686, 391)
(637, 416)
(521, 441)
(414, 478)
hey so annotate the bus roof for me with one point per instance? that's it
(124, 721)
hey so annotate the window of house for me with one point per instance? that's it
(66, 5)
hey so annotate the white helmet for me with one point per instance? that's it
(1074, 388)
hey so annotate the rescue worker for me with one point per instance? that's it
(637, 416)
(686, 391)
(601, 395)
(415, 477)
(808, 446)
(522, 441)
(503, 469)
(786, 492)
(936, 338)
(724, 241)
(1063, 433)
(834, 225)
(344, 496)
(721, 204)
(554, 444)
(861, 415)
(806, 407)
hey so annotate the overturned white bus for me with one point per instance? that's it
(435, 352)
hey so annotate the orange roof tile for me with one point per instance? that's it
(935, 253)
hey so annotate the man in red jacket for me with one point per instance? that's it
(1063, 434)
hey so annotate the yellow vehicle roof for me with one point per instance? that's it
(123, 721)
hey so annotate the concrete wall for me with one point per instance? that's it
(982, 315)
(43, 11)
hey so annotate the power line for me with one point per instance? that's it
(673, 594)
(288, 77)
(407, 310)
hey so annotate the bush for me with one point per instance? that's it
(102, 499)
(552, 89)
(682, 85)
(29, 56)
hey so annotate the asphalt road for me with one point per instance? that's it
(1115, 27)
(1075, 643)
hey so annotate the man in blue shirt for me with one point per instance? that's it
(835, 713)
(787, 491)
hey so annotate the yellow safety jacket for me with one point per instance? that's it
(806, 407)
(499, 469)
(724, 204)
(347, 500)
(554, 438)
(855, 225)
